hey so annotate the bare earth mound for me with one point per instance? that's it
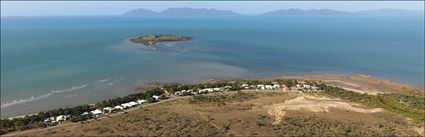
(314, 104)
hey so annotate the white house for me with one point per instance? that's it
(261, 86)
(51, 119)
(96, 112)
(85, 113)
(141, 101)
(245, 85)
(276, 86)
(314, 88)
(209, 90)
(47, 120)
(132, 103)
(155, 97)
(118, 107)
(107, 109)
(190, 91)
(126, 105)
(61, 118)
(268, 87)
(178, 93)
(307, 86)
(298, 86)
(218, 89)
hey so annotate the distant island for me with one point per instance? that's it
(311, 12)
(186, 11)
(151, 40)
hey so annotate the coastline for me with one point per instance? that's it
(360, 83)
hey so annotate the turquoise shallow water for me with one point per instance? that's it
(51, 62)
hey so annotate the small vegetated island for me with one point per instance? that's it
(152, 40)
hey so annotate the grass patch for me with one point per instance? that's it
(222, 99)
(408, 105)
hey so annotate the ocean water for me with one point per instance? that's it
(53, 62)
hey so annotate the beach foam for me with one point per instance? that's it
(32, 98)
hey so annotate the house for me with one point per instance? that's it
(261, 86)
(118, 107)
(306, 86)
(132, 103)
(314, 88)
(47, 120)
(85, 113)
(178, 93)
(201, 91)
(209, 90)
(227, 87)
(96, 112)
(218, 89)
(126, 105)
(284, 87)
(190, 91)
(244, 85)
(298, 86)
(107, 109)
(155, 97)
(51, 119)
(269, 87)
(252, 86)
(141, 101)
(276, 86)
(61, 118)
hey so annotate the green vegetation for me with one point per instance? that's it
(409, 105)
(150, 40)
(316, 126)
(221, 99)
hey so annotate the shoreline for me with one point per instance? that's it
(360, 83)
(164, 92)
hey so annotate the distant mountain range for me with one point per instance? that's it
(299, 12)
(181, 12)
(329, 12)
(282, 12)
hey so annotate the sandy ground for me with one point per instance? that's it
(314, 104)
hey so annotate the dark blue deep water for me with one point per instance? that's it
(51, 62)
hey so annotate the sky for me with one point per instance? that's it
(74, 8)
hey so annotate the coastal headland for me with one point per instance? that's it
(225, 105)
(152, 40)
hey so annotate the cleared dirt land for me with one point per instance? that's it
(244, 114)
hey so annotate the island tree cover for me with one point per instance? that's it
(151, 40)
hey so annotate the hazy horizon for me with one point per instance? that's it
(81, 8)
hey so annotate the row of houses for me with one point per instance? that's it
(201, 91)
(57, 119)
(307, 88)
(275, 86)
(99, 112)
